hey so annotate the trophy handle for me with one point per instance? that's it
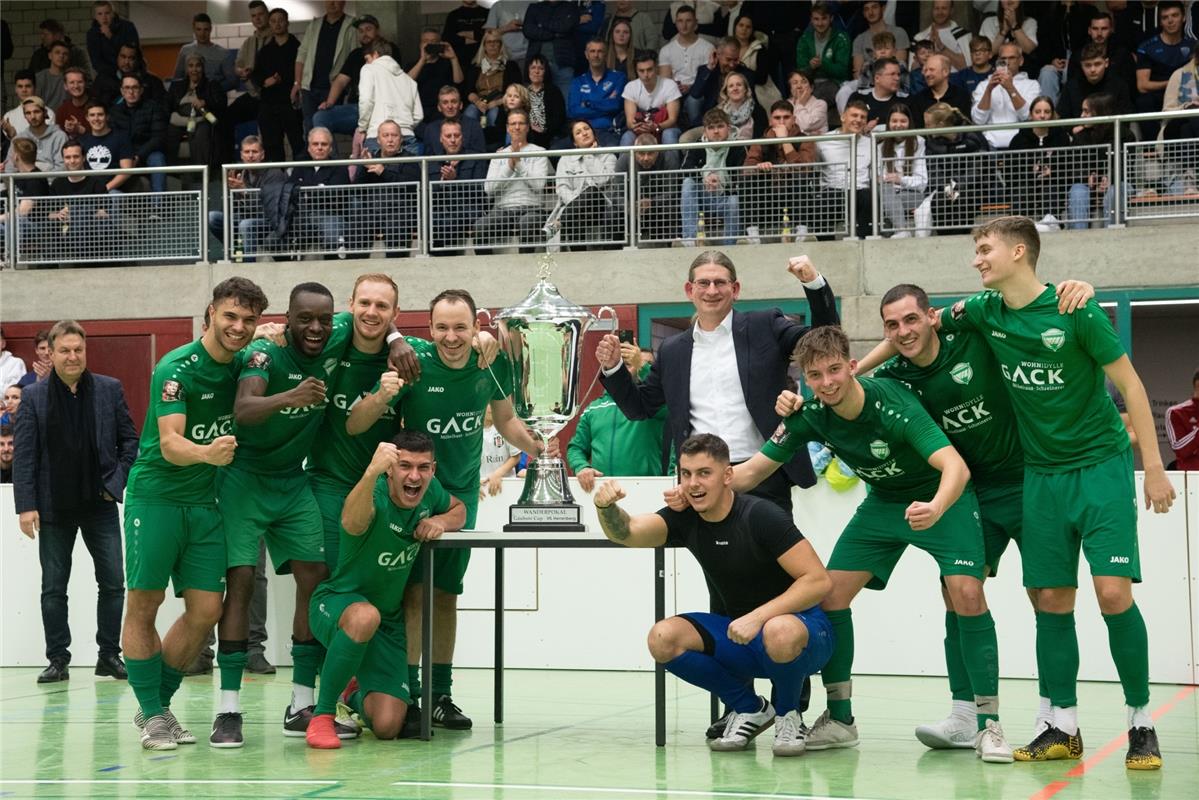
(599, 315)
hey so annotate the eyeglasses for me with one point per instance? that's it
(718, 283)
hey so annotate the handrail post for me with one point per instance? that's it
(227, 218)
(852, 193)
(204, 214)
(632, 239)
(1119, 163)
(424, 209)
(875, 211)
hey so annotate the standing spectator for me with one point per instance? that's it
(710, 79)
(107, 35)
(86, 225)
(12, 367)
(107, 86)
(385, 92)
(217, 66)
(957, 183)
(681, 57)
(47, 136)
(835, 181)
(77, 443)
(645, 32)
(946, 36)
(1157, 58)
(903, 175)
(1091, 194)
(436, 66)
(826, 51)
(862, 49)
(464, 29)
(1182, 92)
(652, 104)
(586, 195)
(977, 71)
(508, 17)
(774, 191)
(49, 81)
(1010, 25)
(71, 116)
(245, 107)
(490, 71)
(14, 123)
(516, 187)
(50, 32)
(326, 45)
(31, 227)
(1005, 96)
(105, 148)
(339, 111)
(387, 210)
(195, 101)
(449, 106)
(621, 55)
(144, 124)
(1182, 429)
(811, 113)
(712, 191)
(275, 75)
(42, 366)
(6, 452)
(939, 88)
(550, 27)
(591, 24)
(1095, 77)
(320, 221)
(455, 186)
(1035, 168)
(596, 95)
(1061, 32)
(547, 104)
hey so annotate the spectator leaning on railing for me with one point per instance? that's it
(586, 209)
(82, 217)
(456, 186)
(835, 153)
(773, 193)
(515, 186)
(389, 207)
(712, 191)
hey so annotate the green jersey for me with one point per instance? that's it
(339, 459)
(448, 404)
(282, 442)
(1052, 365)
(186, 381)
(963, 391)
(376, 563)
(888, 445)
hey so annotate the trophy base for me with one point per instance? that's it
(531, 518)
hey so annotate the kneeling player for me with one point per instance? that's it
(762, 570)
(357, 613)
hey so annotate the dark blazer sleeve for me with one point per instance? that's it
(27, 445)
(823, 306)
(125, 438)
(636, 400)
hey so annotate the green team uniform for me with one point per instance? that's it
(614, 444)
(1078, 480)
(173, 530)
(374, 567)
(338, 459)
(963, 392)
(448, 404)
(265, 492)
(888, 446)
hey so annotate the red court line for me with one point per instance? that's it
(1102, 753)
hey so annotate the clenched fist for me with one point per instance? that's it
(386, 456)
(309, 392)
(802, 268)
(675, 498)
(427, 530)
(608, 494)
(390, 384)
(607, 352)
(788, 403)
(221, 450)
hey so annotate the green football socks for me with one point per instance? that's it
(980, 653)
(836, 673)
(145, 677)
(1129, 643)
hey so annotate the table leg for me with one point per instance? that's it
(659, 670)
(499, 635)
(426, 650)
(715, 711)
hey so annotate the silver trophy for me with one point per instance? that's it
(543, 338)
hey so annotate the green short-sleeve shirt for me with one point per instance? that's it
(338, 459)
(1052, 364)
(888, 445)
(963, 391)
(186, 381)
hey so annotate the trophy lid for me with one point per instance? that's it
(544, 302)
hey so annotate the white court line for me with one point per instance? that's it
(610, 790)
(134, 781)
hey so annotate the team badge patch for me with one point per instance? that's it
(880, 449)
(1053, 338)
(961, 373)
(259, 359)
(330, 365)
(780, 434)
(172, 391)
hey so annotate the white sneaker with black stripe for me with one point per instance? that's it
(743, 727)
(789, 735)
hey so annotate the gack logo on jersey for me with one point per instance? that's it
(964, 415)
(1034, 374)
(961, 373)
(399, 559)
(879, 449)
(1053, 338)
(202, 433)
(342, 403)
(455, 426)
(887, 470)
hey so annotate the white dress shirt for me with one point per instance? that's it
(1003, 109)
(717, 399)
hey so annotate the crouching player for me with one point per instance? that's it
(760, 568)
(357, 612)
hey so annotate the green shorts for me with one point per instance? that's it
(878, 534)
(330, 499)
(281, 509)
(1002, 509)
(1094, 508)
(388, 648)
(449, 564)
(182, 544)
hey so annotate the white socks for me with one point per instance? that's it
(1044, 712)
(1066, 719)
(1139, 717)
(302, 696)
(963, 710)
(230, 701)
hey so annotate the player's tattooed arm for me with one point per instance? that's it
(643, 530)
(359, 508)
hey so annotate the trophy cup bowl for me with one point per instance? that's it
(543, 339)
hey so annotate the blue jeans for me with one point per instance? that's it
(341, 118)
(102, 535)
(158, 180)
(726, 206)
(693, 110)
(1078, 207)
(472, 112)
(669, 136)
(1051, 79)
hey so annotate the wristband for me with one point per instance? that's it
(391, 337)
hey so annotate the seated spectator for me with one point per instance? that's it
(12, 367)
(516, 98)
(771, 190)
(550, 30)
(387, 210)
(834, 182)
(811, 113)
(49, 81)
(217, 66)
(1120, 61)
(339, 110)
(42, 365)
(1005, 96)
(1095, 78)
(71, 116)
(712, 191)
(10, 403)
(946, 36)
(195, 104)
(1010, 25)
(1157, 59)
(456, 187)
(1035, 167)
(30, 218)
(1091, 197)
(710, 79)
(320, 220)
(957, 184)
(6, 452)
(50, 32)
(547, 105)
(449, 106)
(884, 48)
(595, 96)
(83, 214)
(621, 55)
(516, 187)
(980, 68)
(737, 100)
(586, 194)
(903, 176)
(385, 92)
(756, 57)
(144, 124)
(491, 70)
(14, 123)
(681, 57)
(258, 219)
(921, 51)
(939, 88)
(1182, 429)
(1182, 92)
(652, 104)
(884, 93)
(657, 193)
(436, 66)
(108, 33)
(275, 75)
(47, 137)
(107, 86)
(863, 47)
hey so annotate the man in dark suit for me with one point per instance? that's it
(77, 443)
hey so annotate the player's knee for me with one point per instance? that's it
(1055, 601)
(204, 612)
(664, 642)
(387, 726)
(360, 621)
(784, 638)
(967, 596)
(239, 584)
(141, 605)
(1114, 596)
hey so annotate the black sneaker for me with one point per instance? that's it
(448, 715)
(295, 724)
(716, 729)
(411, 726)
(1052, 744)
(1143, 752)
(226, 731)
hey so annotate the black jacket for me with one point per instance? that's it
(709, 81)
(145, 126)
(550, 28)
(957, 96)
(209, 91)
(1078, 89)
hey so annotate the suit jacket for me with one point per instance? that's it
(116, 444)
(764, 341)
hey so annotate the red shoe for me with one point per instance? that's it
(321, 734)
(351, 687)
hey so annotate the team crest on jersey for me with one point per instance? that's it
(259, 359)
(330, 365)
(780, 434)
(961, 373)
(1053, 338)
(171, 391)
(880, 449)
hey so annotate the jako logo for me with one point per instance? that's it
(437, 389)
(1119, 560)
(963, 563)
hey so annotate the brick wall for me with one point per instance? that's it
(23, 18)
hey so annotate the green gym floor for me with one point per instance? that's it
(568, 735)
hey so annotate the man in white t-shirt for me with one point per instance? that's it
(651, 103)
(683, 55)
(948, 38)
(499, 458)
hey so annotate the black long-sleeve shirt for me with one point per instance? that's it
(275, 58)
